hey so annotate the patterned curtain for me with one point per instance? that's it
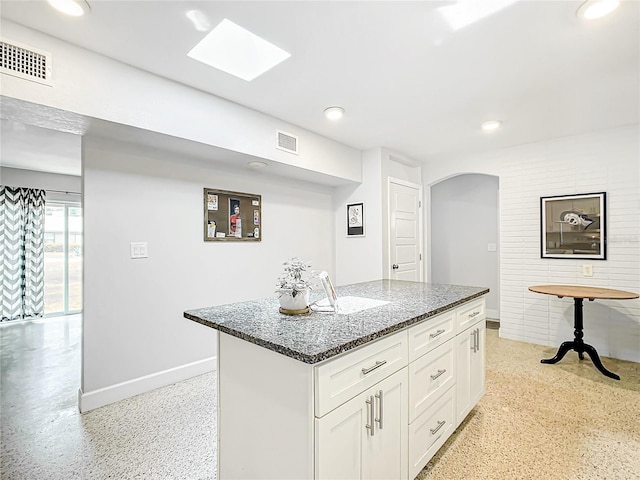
(21, 252)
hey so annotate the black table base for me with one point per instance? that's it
(578, 345)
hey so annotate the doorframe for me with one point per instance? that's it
(67, 204)
(386, 261)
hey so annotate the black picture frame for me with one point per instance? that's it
(355, 219)
(574, 226)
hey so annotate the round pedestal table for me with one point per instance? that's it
(579, 293)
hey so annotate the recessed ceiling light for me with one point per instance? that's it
(334, 113)
(75, 8)
(257, 165)
(592, 9)
(237, 51)
(491, 125)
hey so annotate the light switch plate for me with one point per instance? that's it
(492, 247)
(587, 270)
(139, 250)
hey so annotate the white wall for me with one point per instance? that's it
(358, 258)
(606, 161)
(95, 86)
(464, 220)
(133, 323)
(16, 177)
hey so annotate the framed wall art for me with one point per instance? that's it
(232, 216)
(573, 226)
(355, 219)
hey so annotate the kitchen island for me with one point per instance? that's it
(369, 392)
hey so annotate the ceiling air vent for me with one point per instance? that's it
(25, 62)
(286, 142)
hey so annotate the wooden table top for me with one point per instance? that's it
(580, 291)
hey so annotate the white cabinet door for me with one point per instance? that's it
(366, 437)
(387, 448)
(469, 369)
(340, 438)
(464, 350)
(476, 368)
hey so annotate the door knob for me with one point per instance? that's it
(395, 266)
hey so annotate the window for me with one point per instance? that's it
(62, 258)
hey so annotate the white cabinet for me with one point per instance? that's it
(429, 377)
(379, 411)
(446, 378)
(470, 358)
(470, 314)
(426, 336)
(365, 438)
(340, 379)
(430, 430)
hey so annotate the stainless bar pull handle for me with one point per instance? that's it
(380, 397)
(440, 372)
(435, 430)
(474, 314)
(477, 339)
(473, 343)
(371, 369)
(434, 335)
(370, 413)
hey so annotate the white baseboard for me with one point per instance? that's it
(120, 391)
(493, 314)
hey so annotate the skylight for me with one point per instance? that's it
(237, 51)
(467, 12)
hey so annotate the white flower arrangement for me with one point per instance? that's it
(294, 280)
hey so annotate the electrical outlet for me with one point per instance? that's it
(139, 250)
(587, 270)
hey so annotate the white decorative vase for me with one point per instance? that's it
(299, 302)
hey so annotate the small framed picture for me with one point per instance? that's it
(355, 219)
(573, 226)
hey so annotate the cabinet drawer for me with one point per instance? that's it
(429, 377)
(344, 377)
(429, 432)
(470, 314)
(427, 335)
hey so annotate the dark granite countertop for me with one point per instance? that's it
(318, 336)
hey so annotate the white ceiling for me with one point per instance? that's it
(409, 78)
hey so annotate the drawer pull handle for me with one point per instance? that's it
(435, 430)
(371, 369)
(371, 414)
(380, 397)
(440, 372)
(474, 314)
(434, 335)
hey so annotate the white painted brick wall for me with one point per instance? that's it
(605, 161)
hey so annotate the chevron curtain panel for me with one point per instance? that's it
(22, 252)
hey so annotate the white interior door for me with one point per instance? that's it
(405, 242)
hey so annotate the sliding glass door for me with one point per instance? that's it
(62, 258)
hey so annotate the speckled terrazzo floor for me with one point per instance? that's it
(564, 421)
(165, 434)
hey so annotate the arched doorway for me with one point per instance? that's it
(464, 226)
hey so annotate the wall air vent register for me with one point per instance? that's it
(25, 62)
(286, 142)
